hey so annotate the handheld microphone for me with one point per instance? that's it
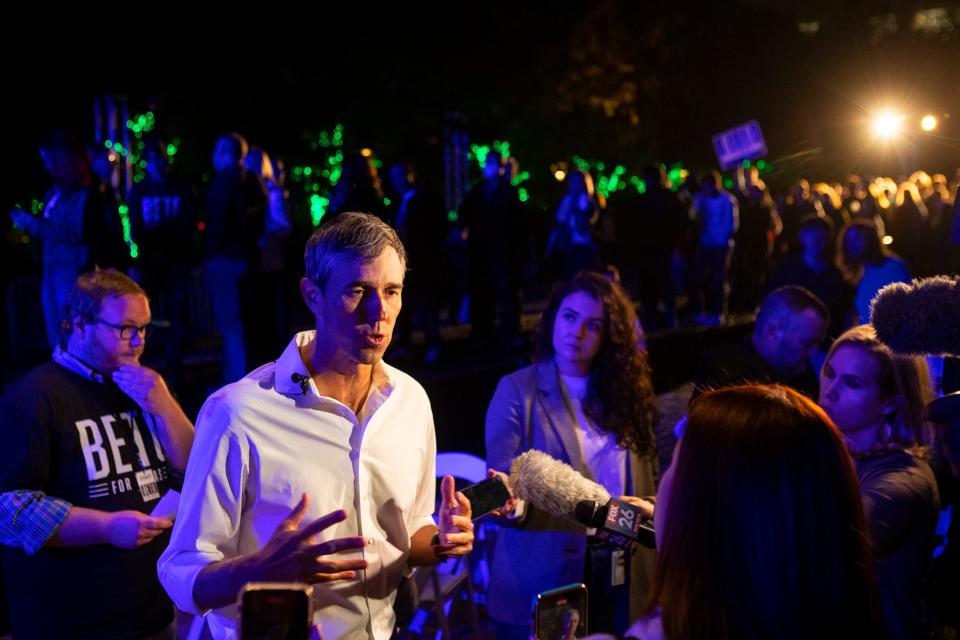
(559, 490)
(302, 380)
(618, 523)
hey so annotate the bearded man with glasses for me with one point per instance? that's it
(91, 441)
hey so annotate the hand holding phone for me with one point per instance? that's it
(486, 496)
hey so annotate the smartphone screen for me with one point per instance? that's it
(486, 496)
(561, 614)
(275, 612)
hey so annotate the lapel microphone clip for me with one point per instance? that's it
(302, 380)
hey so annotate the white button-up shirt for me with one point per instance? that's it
(262, 442)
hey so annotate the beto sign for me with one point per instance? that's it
(743, 142)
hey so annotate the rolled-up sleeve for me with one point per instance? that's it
(28, 519)
(208, 519)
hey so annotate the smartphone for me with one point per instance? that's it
(485, 496)
(561, 614)
(276, 611)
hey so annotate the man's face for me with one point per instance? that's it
(100, 344)
(813, 239)
(798, 339)
(224, 156)
(358, 308)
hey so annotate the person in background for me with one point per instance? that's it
(587, 401)
(877, 400)
(802, 570)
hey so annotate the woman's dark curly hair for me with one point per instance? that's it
(620, 397)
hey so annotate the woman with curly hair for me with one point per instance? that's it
(587, 401)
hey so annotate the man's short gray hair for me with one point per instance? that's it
(349, 235)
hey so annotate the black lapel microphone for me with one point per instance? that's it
(302, 380)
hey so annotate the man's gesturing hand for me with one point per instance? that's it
(293, 555)
(456, 527)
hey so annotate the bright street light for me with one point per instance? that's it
(887, 124)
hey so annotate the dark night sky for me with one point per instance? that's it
(533, 73)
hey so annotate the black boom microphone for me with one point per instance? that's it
(919, 318)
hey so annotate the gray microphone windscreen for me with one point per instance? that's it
(552, 485)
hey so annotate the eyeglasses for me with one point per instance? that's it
(127, 331)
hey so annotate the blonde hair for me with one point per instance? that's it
(906, 377)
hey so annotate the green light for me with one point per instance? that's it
(136, 128)
(452, 215)
(522, 194)
(123, 209)
(761, 164)
(727, 183)
(602, 186)
(134, 251)
(171, 150)
(524, 175)
(480, 152)
(335, 175)
(140, 146)
(600, 166)
(582, 164)
(108, 144)
(318, 209)
(298, 171)
(746, 164)
(307, 171)
(386, 202)
(377, 163)
(142, 164)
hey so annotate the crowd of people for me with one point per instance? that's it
(805, 486)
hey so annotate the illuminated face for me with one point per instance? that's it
(578, 331)
(99, 341)
(571, 620)
(357, 309)
(850, 392)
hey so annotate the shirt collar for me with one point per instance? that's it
(72, 363)
(293, 377)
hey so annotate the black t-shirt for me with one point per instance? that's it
(161, 219)
(90, 444)
(738, 364)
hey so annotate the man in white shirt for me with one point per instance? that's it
(328, 428)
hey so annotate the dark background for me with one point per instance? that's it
(619, 80)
